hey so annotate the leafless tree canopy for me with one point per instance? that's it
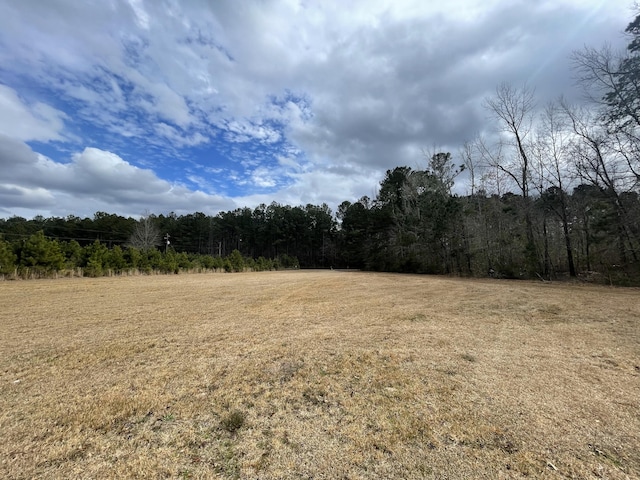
(513, 109)
(146, 235)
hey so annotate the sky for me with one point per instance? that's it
(157, 106)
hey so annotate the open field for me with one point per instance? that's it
(318, 374)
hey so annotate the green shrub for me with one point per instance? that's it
(286, 261)
(133, 257)
(72, 252)
(7, 258)
(95, 256)
(42, 254)
(236, 261)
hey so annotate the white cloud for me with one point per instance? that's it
(311, 98)
(94, 180)
(263, 177)
(331, 186)
(142, 17)
(179, 138)
(18, 196)
(25, 122)
(244, 130)
(167, 104)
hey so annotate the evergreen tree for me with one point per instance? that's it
(42, 254)
(7, 258)
(95, 256)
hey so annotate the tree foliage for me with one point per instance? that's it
(41, 254)
(7, 258)
(556, 194)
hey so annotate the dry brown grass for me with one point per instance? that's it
(318, 374)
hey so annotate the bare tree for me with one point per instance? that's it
(593, 149)
(611, 80)
(513, 109)
(146, 234)
(493, 178)
(599, 163)
(553, 171)
(596, 71)
(470, 163)
(477, 241)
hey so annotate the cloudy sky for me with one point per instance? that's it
(127, 106)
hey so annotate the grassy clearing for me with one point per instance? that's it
(318, 374)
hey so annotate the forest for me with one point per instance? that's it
(552, 194)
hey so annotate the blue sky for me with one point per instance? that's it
(134, 106)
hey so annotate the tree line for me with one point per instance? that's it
(414, 225)
(38, 256)
(552, 193)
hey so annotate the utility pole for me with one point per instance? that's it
(166, 245)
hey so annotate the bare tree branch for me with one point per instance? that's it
(146, 234)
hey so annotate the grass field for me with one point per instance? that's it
(318, 374)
